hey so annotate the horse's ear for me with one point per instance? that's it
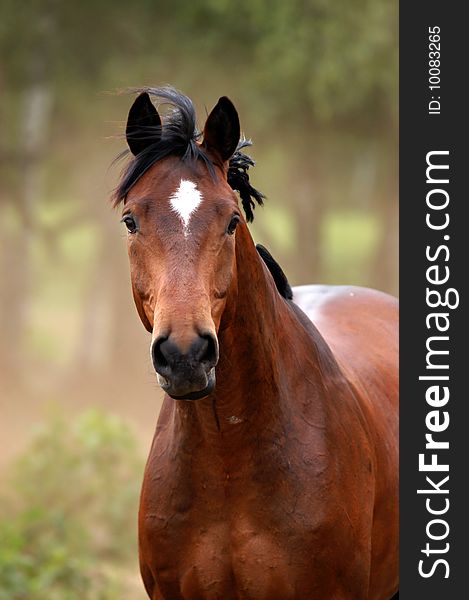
(143, 124)
(222, 130)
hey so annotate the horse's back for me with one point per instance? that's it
(359, 324)
(324, 304)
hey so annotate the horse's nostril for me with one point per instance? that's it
(208, 351)
(160, 362)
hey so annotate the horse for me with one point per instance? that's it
(273, 472)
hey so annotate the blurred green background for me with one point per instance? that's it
(315, 84)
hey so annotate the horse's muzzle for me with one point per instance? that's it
(186, 375)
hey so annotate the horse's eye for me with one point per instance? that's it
(232, 225)
(130, 223)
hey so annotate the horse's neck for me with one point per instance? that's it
(258, 330)
(250, 337)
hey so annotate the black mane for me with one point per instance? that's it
(179, 136)
(280, 279)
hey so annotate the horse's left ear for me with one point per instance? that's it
(222, 130)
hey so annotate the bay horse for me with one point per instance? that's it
(273, 473)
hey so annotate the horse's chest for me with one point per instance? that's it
(253, 535)
(223, 560)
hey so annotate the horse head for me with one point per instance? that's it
(181, 215)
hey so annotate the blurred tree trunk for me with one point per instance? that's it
(125, 326)
(309, 208)
(110, 328)
(385, 264)
(308, 200)
(16, 264)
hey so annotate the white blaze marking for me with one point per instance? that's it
(185, 201)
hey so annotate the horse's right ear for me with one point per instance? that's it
(143, 124)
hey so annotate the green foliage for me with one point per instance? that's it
(70, 517)
(36, 566)
(331, 58)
